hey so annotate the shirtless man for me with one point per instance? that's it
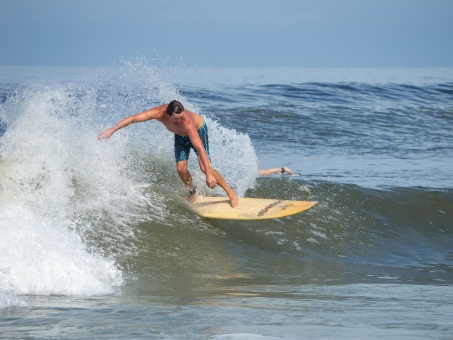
(190, 132)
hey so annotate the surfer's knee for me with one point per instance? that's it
(181, 167)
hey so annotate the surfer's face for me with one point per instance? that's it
(177, 118)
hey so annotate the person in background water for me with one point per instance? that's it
(190, 131)
(271, 171)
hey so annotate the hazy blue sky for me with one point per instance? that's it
(308, 33)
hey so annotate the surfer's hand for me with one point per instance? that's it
(106, 133)
(211, 181)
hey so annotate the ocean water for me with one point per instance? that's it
(97, 240)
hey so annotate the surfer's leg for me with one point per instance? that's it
(234, 200)
(182, 151)
(186, 178)
(203, 133)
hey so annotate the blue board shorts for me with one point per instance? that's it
(183, 144)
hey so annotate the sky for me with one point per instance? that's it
(228, 33)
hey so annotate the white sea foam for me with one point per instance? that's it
(42, 157)
(42, 256)
(68, 202)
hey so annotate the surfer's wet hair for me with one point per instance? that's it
(174, 107)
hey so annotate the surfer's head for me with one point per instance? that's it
(174, 107)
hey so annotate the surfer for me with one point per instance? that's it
(190, 132)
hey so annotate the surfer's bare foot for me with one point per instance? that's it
(193, 198)
(234, 200)
(287, 170)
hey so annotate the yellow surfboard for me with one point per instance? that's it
(248, 208)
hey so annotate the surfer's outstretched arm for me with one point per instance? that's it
(154, 113)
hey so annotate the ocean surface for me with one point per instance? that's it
(97, 240)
